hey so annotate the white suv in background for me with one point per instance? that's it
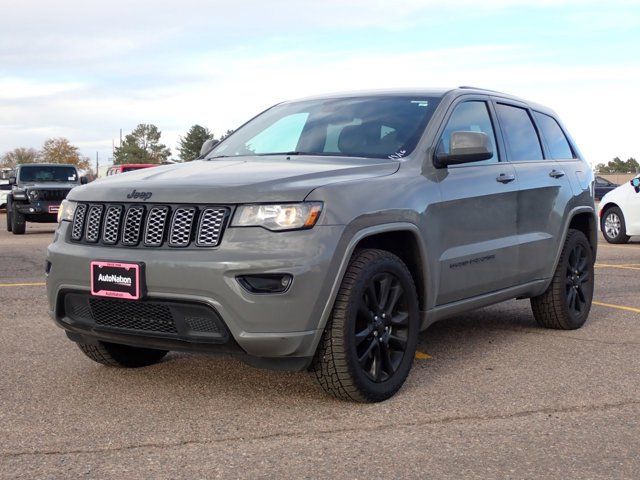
(620, 212)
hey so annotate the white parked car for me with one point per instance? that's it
(620, 212)
(5, 189)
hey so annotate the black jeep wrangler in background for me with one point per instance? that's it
(36, 193)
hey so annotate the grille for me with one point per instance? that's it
(202, 324)
(94, 217)
(111, 224)
(154, 231)
(151, 317)
(149, 225)
(52, 195)
(181, 225)
(210, 227)
(78, 221)
(132, 224)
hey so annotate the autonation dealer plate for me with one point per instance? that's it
(119, 280)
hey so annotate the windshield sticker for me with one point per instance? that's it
(397, 155)
(421, 103)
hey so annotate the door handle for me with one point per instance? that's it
(505, 178)
(556, 173)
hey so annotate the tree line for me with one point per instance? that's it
(142, 145)
(618, 166)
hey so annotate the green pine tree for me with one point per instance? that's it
(142, 146)
(191, 143)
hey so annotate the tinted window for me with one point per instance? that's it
(554, 137)
(48, 173)
(383, 126)
(469, 117)
(519, 133)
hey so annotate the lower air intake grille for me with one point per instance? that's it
(150, 317)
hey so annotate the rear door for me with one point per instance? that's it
(544, 189)
(474, 226)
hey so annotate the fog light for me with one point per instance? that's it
(266, 283)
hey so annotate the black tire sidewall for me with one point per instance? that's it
(382, 390)
(18, 222)
(578, 238)
(622, 235)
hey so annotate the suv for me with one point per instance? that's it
(36, 193)
(326, 233)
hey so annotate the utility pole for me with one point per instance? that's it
(120, 138)
(97, 165)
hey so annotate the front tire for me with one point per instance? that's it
(613, 226)
(369, 343)
(123, 356)
(566, 303)
(18, 222)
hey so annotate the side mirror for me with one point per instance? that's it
(84, 180)
(465, 147)
(12, 180)
(207, 146)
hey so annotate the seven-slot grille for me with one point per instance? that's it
(149, 225)
(52, 195)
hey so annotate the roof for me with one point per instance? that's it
(421, 92)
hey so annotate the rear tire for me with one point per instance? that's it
(369, 343)
(613, 226)
(566, 303)
(124, 356)
(18, 222)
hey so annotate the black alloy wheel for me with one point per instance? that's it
(382, 327)
(578, 279)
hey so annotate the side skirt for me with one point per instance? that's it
(452, 309)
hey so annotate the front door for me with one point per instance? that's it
(476, 241)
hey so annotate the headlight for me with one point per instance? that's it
(66, 211)
(33, 194)
(289, 216)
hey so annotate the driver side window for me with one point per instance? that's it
(472, 116)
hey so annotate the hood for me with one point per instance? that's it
(47, 185)
(231, 181)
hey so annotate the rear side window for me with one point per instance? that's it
(554, 137)
(520, 134)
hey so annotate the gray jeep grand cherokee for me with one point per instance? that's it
(326, 233)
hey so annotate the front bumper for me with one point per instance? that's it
(273, 326)
(50, 209)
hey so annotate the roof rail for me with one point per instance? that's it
(467, 87)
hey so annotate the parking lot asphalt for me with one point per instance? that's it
(491, 395)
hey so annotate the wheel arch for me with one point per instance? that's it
(382, 232)
(584, 219)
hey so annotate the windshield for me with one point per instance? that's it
(381, 127)
(48, 173)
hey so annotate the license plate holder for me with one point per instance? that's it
(117, 279)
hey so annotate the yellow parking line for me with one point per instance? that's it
(422, 356)
(609, 265)
(27, 284)
(619, 307)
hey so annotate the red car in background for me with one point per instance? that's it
(129, 167)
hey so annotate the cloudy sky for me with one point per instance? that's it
(84, 69)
